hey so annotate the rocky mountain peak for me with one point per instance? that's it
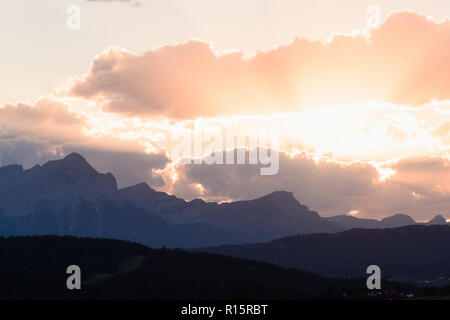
(73, 163)
(437, 220)
(281, 196)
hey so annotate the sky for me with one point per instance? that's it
(358, 92)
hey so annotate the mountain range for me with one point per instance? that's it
(69, 197)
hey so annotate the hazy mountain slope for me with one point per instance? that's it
(275, 215)
(404, 250)
(272, 216)
(167, 207)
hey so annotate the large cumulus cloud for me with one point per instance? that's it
(404, 61)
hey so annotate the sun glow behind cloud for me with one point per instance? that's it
(368, 132)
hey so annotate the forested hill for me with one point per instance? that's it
(35, 267)
(412, 250)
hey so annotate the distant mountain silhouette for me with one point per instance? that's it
(416, 249)
(437, 220)
(397, 220)
(69, 197)
(345, 222)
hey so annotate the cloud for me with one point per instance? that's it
(425, 174)
(406, 60)
(327, 186)
(135, 3)
(442, 132)
(48, 130)
(109, 0)
(46, 120)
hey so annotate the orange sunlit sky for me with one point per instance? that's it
(359, 92)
